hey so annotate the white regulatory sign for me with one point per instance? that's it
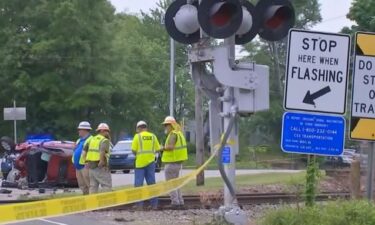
(317, 71)
(18, 113)
(364, 94)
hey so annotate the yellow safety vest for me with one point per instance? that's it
(145, 151)
(179, 153)
(81, 159)
(93, 153)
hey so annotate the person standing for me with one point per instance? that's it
(82, 172)
(174, 154)
(144, 146)
(97, 155)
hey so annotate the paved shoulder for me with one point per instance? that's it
(64, 220)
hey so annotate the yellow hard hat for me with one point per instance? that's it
(103, 126)
(169, 120)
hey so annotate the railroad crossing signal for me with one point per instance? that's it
(271, 19)
(236, 88)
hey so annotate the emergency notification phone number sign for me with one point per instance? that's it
(313, 134)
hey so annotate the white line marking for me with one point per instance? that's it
(49, 221)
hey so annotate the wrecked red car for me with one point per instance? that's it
(44, 164)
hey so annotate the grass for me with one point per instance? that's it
(243, 161)
(213, 184)
(216, 184)
(332, 213)
(49, 196)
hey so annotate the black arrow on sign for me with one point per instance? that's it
(309, 98)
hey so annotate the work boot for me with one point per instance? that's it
(155, 208)
(177, 207)
(137, 207)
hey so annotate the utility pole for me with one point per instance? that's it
(171, 77)
(199, 136)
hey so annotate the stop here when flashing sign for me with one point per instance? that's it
(317, 71)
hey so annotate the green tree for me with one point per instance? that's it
(184, 88)
(363, 13)
(142, 45)
(57, 61)
(265, 127)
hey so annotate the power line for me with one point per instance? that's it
(332, 18)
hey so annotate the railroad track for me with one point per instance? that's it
(215, 200)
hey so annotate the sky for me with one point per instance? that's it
(333, 12)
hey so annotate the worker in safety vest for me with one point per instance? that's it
(78, 158)
(174, 154)
(97, 155)
(144, 146)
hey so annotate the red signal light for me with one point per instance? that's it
(276, 18)
(223, 15)
(220, 18)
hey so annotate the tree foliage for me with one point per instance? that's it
(363, 13)
(73, 60)
(265, 127)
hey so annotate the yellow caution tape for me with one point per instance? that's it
(229, 142)
(12, 213)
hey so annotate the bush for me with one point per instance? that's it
(334, 213)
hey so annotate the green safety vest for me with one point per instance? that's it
(179, 153)
(145, 153)
(93, 153)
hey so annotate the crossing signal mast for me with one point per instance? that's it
(234, 88)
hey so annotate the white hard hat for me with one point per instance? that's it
(169, 120)
(103, 126)
(141, 123)
(84, 125)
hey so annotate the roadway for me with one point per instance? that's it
(65, 220)
(120, 179)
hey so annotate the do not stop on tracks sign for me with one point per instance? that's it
(317, 71)
(362, 124)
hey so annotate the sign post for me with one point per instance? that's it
(15, 114)
(317, 71)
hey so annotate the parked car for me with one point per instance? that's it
(345, 159)
(123, 159)
(348, 156)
